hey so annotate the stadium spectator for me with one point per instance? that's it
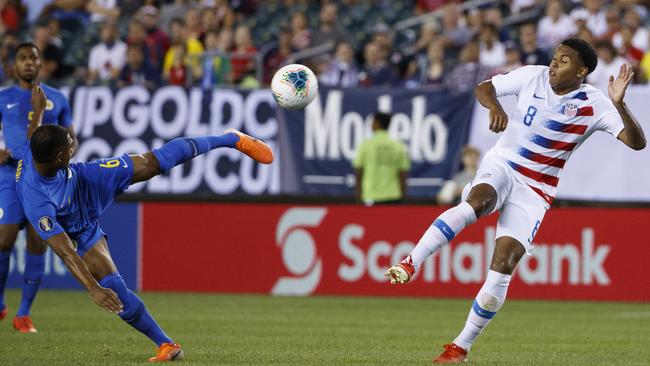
(627, 48)
(644, 67)
(469, 72)
(519, 6)
(475, 20)
(383, 36)
(493, 52)
(328, 31)
(409, 72)
(9, 43)
(640, 34)
(216, 68)
(209, 21)
(342, 70)
(179, 71)
(224, 14)
(434, 66)
(54, 28)
(278, 56)
(376, 71)
(555, 26)
(173, 10)
(193, 23)
(494, 16)
(456, 35)
(427, 6)
(9, 16)
(593, 14)
(530, 53)
(103, 10)
(107, 58)
(46, 43)
(138, 70)
(53, 70)
(301, 35)
(428, 33)
(190, 47)
(613, 19)
(244, 55)
(156, 40)
(513, 57)
(609, 63)
(452, 190)
(381, 166)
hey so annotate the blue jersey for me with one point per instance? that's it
(16, 112)
(73, 199)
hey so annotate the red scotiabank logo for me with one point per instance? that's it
(580, 253)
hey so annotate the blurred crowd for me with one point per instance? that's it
(348, 43)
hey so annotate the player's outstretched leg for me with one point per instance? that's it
(481, 201)
(489, 300)
(33, 276)
(135, 313)
(182, 149)
(8, 234)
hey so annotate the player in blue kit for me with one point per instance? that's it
(15, 111)
(63, 202)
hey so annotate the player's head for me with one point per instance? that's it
(52, 145)
(27, 62)
(381, 121)
(573, 60)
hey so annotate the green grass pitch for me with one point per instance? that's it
(262, 330)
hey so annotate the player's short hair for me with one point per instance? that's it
(26, 45)
(48, 140)
(585, 51)
(383, 119)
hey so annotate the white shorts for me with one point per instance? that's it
(521, 210)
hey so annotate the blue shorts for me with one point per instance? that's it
(102, 180)
(11, 211)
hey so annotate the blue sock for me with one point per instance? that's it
(182, 149)
(134, 311)
(4, 272)
(34, 269)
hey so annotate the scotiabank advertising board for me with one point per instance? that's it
(597, 254)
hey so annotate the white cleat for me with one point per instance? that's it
(399, 273)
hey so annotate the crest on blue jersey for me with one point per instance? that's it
(570, 109)
(46, 224)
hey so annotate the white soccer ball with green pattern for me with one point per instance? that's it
(294, 86)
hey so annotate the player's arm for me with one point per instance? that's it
(39, 101)
(104, 297)
(632, 134)
(358, 174)
(486, 95)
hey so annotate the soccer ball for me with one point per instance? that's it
(294, 86)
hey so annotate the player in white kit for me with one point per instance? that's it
(555, 113)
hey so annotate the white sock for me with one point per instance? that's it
(443, 229)
(488, 301)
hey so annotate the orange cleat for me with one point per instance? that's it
(23, 324)
(168, 352)
(3, 313)
(452, 354)
(254, 148)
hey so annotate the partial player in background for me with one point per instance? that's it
(64, 201)
(16, 112)
(555, 113)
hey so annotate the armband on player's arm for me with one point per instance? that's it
(62, 246)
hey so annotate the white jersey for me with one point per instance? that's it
(545, 128)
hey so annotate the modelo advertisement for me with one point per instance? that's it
(280, 249)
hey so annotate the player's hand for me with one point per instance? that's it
(4, 156)
(39, 100)
(498, 119)
(107, 299)
(617, 87)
